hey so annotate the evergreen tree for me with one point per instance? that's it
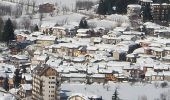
(121, 6)
(115, 95)
(109, 6)
(36, 28)
(1, 24)
(6, 84)
(8, 33)
(83, 23)
(17, 78)
(1, 28)
(102, 8)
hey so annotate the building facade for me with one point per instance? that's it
(46, 84)
(161, 13)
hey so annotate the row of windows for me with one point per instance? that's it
(51, 91)
(51, 86)
(51, 77)
(52, 82)
(51, 95)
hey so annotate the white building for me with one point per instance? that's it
(46, 83)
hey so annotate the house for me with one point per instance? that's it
(110, 39)
(46, 8)
(46, 83)
(19, 60)
(83, 33)
(46, 40)
(91, 49)
(162, 33)
(25, 90)
(119, 55)
(39, 59)
(59, 31)
(158, 52)
(26, 78)
(74, 77)
(46, 28)
(99, 78)
(21, 37)
(153, 76)
(166, 75)
(66, 49)
(150, 27)
(131, 57)
(79, 96)
(166, 59)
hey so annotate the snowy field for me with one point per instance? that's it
(125, 90)
(68, 3)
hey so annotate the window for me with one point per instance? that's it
(53, 77)
(52, 82)
(52, 95)
(52, 86)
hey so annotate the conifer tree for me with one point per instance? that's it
(83, 23)
(17, 78)
(6, 84)
(102, 7)
(1, 28)
(36, 28)
(8, 33)
(115, 95)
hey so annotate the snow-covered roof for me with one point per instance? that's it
(36, 33)
(146, 0)
(46, 37)
(82, 30)
(48, 25)
(26, 86)
(20, 57)
(78, 95)
(134, 6)
(27, 77)
(68, 45)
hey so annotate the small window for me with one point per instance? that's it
(52, 82)
(53, 77)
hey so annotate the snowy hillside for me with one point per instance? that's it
(125, 90)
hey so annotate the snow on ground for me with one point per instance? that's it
(68, 3)
(102, 23)
(125, 90)
(5, 96)
(61, 19)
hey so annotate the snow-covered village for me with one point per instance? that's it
(84, 50)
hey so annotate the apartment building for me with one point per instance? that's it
(46, 83)
(161, 13)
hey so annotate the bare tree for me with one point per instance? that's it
(26, 22)
(84, 4)
(65, 9)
